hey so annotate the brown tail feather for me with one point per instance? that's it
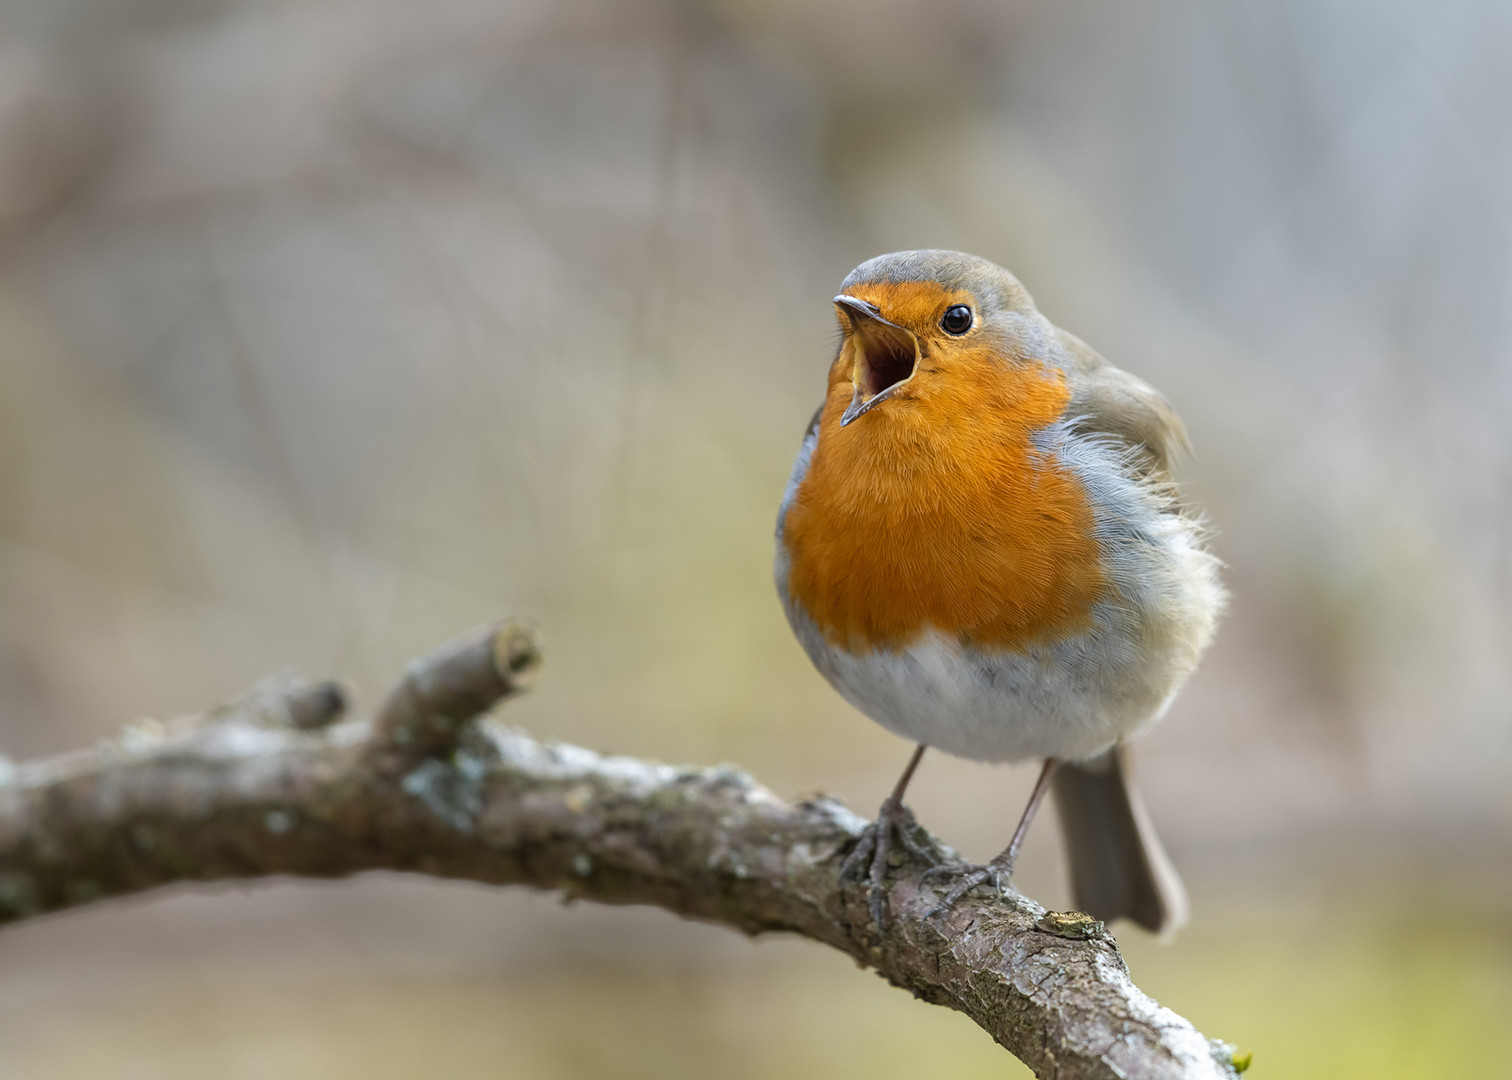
(1118, 868)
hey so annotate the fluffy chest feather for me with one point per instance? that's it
(941, 513)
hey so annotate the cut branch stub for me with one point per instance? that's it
(446, 689)
(317, 706)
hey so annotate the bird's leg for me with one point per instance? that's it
(1000, 870)
(876, 841)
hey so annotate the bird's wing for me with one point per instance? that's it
(1109, 401)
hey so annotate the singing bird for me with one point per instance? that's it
(981, 548)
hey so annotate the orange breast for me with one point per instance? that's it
(935, 510)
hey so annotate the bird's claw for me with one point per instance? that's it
(997, 873)
(860, 855)
(894, 822)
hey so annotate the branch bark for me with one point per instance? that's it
(278, 784)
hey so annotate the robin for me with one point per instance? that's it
(981, 549)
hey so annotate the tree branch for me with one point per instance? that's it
(274, 784)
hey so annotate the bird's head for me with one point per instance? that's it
(928, 326)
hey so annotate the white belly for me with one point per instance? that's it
(1054, 701)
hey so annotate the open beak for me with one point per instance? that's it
(887, 355)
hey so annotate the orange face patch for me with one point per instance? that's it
(917, 305)
(935, 510)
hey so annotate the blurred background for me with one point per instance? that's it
(332, 328)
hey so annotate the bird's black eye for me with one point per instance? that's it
(956, 320)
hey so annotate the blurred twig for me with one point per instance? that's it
(276, 784)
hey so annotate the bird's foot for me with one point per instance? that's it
(868, 859)
(998, 873)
